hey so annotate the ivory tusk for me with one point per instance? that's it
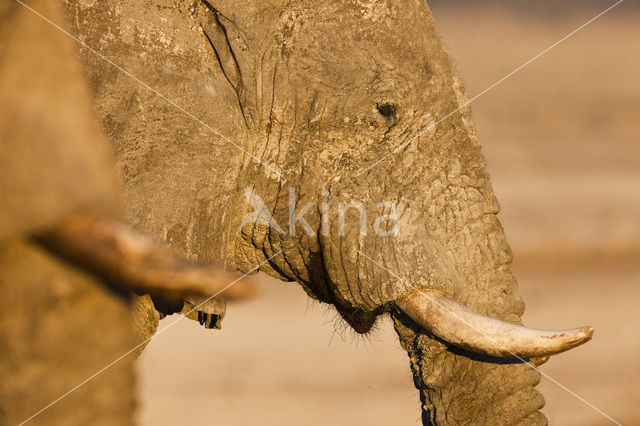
(453, 322)
(130, 260)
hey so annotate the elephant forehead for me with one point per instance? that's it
(343, 44)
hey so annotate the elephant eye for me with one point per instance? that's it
(387, 109)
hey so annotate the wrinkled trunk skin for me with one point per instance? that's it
(457, 387)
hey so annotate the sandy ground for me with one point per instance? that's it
(561, 139)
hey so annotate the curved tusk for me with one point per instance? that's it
(132, 261)
(453, 322)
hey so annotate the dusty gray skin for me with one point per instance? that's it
(318, 91)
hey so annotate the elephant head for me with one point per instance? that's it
(366, 116)
(332, 112)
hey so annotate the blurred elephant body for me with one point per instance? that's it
(307, 96)
(58, 324)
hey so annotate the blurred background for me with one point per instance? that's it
(562, 141)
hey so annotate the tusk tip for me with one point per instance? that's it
(586, 332)
(577, 337)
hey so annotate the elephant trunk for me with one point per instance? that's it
(470, 293)
(461, 387)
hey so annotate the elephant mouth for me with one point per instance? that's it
(440, 315)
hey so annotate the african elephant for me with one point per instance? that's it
(210, 104)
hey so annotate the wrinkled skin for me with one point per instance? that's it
(300, 86)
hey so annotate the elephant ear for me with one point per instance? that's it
(53, 157)
(248, 46)
(226, 41)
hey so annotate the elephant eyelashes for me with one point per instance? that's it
(387, 109)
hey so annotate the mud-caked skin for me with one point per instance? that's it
(311, 94)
